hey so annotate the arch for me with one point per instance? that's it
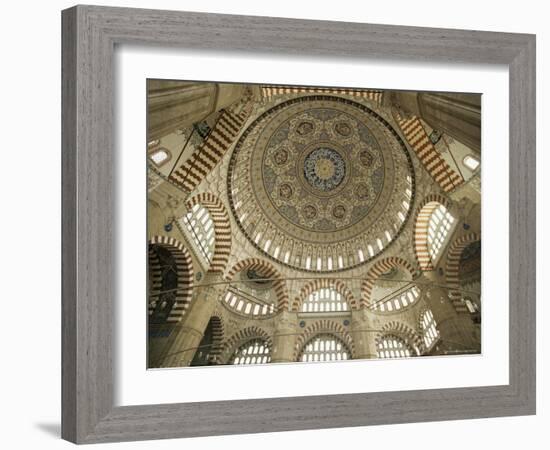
(393, 346)
(314, 285)
(453, 267)
(324, 326)
(217, 338)
(401, 300)
(421, 224)
(417, 138)
(154, 271)
(185, 273)
(404, 332)
(241, 337)
(222, 228)
(378, 269)
(208, 154)
(324, 347)
(265, 268)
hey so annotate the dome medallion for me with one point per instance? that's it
(320, 183)
(324, 169)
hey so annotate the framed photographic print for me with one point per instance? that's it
(266, 230)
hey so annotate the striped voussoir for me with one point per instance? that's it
(222, 228)
(421, 224)
(324, 326)
(155, 272)
(314, 285)
(211, 151)
(267, 271)
(434, 163)
(241, 337)
(453, 269)
(402, 331)
(269, 91)
(378, 269)
(217, 339)
(184, 266)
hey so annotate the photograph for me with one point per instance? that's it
(299, 224)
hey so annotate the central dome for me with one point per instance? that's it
(320, 183)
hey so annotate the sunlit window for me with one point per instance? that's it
(393, 347)
(471, 163)
(324, 300)
(200, 226)
(160, 156)
(324, 347)
(439, 227)
(472, 307)
(255, 351)
(399, 301)
(235, 300)
(429, 328)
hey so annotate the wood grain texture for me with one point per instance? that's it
(89, 204)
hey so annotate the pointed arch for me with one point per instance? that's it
(421, 224)
(241, 337)
(222, 228)
(314, 285)
(184, 269)
(207, 156)
(415, 134)
(324, 326)
(453, 267)
(404, 332)
(268, 271)
(377, 270)
(218, 333)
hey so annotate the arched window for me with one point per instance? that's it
(429, 328)
(239, 302)
(160, 156)
(201, 229)
(399, 301)
(391, 346)
(255, 351)
(471, 162)
(439, 228)
(324, 300)
(324, 347)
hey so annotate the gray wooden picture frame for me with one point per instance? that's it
(90, 34)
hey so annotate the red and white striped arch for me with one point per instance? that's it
(314, 285)
(222, 228)
(453, 269)
(269, 272)
(377, 270)
(184, 265)
(324, 326)
(421, 225)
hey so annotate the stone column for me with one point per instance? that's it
(363, 331)
(179, 104)
(458, 333)
(187, 336)
(284, 338)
